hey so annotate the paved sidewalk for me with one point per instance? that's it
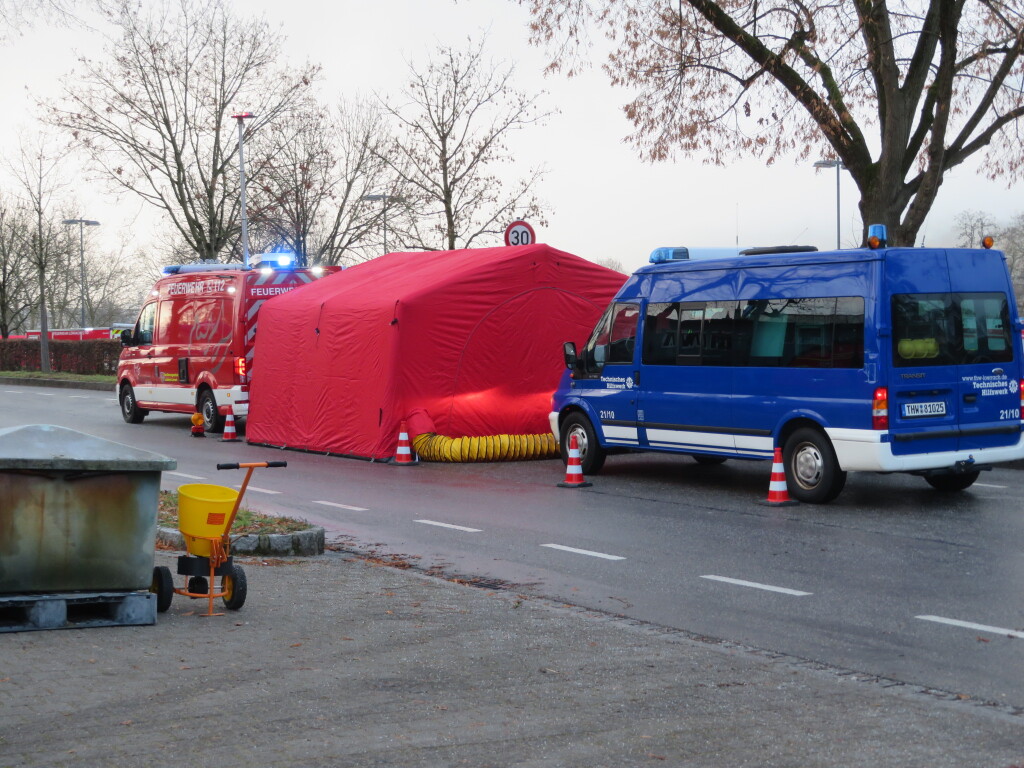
(337, 662)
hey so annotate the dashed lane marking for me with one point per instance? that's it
(988, 485)
(449, 525)
(187, 476)
(342, 506)
(583, 552)
(973, 626)
(755, 585)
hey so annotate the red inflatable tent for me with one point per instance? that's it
(471, 339)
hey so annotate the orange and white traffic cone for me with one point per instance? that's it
(230, 436)
(403, 454)
(778, 491)
(573, 469)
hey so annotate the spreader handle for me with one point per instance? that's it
(254, 464)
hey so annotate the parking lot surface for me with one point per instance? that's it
(337, 661)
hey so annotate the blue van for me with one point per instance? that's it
(877, 359)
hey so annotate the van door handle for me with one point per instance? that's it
(998, 371)
(971, 398)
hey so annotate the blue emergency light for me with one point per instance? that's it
(878, 236)
(662, 255)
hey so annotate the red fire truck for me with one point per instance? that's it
(191, 348)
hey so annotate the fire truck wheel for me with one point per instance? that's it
(130, 410)
(212, 420)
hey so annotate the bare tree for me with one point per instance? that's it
(457, 115)
(17, 15)
(311, 183)
(17, 292)
(37, 169)
(155, 115)
(900, 92)
(972, 226)
(1011, 241)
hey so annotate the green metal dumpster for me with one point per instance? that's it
(77, 512)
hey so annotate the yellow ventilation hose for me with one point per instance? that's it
(434, 447)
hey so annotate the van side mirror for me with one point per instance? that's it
(126, 338)
(569, 354)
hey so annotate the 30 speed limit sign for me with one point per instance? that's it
(519, 233)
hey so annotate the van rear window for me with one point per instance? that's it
(950, 329)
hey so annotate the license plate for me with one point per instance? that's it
(924, 409)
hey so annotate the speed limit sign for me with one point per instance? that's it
(519, 233)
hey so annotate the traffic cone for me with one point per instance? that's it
(197, 425)
(403, 454)
(573, 469)
(778, 491)
(230, 436)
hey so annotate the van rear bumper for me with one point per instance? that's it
(862, 450)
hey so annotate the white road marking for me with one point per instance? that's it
(12, 392)
(449, 525)
(342, 506)
(258, 490)
(182, 474)
(988, 485)
(583, 552)
(755, 585)
(80, 397)
(972, 625)
(44, 394)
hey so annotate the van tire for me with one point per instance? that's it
(951, 483)
(213, 422)
(130, 410)
(592, 455)
(813, 475)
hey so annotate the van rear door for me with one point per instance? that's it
(924, 390)
(954, 383)
(989, 367)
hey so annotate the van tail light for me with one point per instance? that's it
(240, 368)
(1021, 390)
(880, 409)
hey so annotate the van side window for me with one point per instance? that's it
(823, 332)
(791, 333)
(613, 338)
(950, 329)
(146, 323)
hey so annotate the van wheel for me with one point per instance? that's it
(130, 410)
(952, 483)
(592, 456)
(212, 420)
(812, 471)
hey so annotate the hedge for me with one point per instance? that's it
(90, 357)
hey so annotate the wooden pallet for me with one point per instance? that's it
(71, 610)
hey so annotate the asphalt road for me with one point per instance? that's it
(893, 579)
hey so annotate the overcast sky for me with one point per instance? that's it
(605, 203)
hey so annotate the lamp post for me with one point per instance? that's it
(241, 117)
(838, 165)
(82, 224)
(385, 199)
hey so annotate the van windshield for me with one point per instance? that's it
(950, 329)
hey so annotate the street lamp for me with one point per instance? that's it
(241, 117)
(82, 224)
(385, 199)
(838, 165)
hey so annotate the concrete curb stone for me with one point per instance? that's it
(308, 543)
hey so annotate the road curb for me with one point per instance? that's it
(308, 543)
(97, 386)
